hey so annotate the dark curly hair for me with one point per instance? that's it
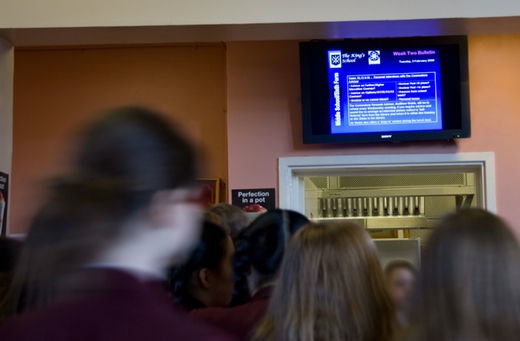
(209, 253)
(261, 246)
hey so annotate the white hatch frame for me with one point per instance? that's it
(291, 171)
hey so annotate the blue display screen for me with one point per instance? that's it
(383, 90)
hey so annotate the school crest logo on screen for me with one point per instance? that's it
(335, 59)
(374, 57)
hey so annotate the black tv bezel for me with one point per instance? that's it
(313, 133)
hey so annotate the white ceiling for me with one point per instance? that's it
(40, 37)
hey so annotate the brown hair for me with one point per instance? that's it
(470, 281)
(331, 287)
(235, 218)
(217, 220)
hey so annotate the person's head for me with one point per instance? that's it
(400, 277)
(260, 247)
(232, 215)
(469, 285)
(133, 169)
(331, 287)
(206, 279)
(128, 200)
(217, 220)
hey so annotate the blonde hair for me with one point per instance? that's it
(331, 287)
(470, 281)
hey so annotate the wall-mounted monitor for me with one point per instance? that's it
(391, 89)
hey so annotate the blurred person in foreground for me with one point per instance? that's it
(330, 287)
(469, 288)
(93, 264)
(401, 277)
(259, 251)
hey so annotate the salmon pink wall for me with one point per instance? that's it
(56, 91)
(264, 115)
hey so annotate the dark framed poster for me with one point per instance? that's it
(213, 191)
(4, 198)
(254, 200)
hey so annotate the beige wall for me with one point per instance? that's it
(99, 13)
(57, 91)
(264, 115)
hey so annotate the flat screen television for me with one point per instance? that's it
(390, 89)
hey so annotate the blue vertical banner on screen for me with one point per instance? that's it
(336, 113)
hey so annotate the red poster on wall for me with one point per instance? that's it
(213, 191)
(4, 196)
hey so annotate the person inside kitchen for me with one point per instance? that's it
(94, 261)
(400, 278)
